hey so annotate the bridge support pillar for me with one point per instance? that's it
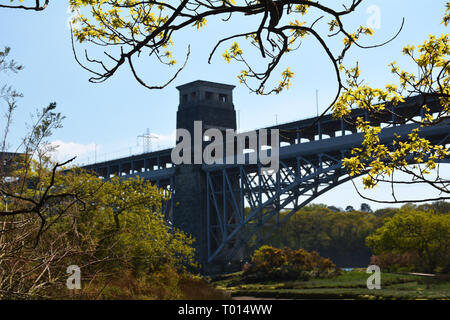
(212, 104)
(190, 206)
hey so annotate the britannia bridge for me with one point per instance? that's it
(225, 205)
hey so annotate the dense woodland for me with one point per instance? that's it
(341, 235)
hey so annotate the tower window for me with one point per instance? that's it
(184, 98)
(223, 98)
(208, 95)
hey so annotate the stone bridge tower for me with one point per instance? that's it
(211, 103)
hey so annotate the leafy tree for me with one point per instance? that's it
(51, 219)
(411, 153)
(386, 212)
(366, 208)
(127, 214)
(424, 233)
(334, 209)
(349, 209)
(32, 147)
(436, 207)
(135, 27)
(114, 229)
(7, 93)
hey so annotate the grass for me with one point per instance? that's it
(348, 285)
(167, 285)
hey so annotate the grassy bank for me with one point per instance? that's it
(348, 285)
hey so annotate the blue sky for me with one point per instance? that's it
(112, 114)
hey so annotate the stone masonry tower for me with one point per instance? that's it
(206, 101)
(211, 103)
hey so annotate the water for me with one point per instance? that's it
(347, 269)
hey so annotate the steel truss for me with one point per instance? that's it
(298, 181)
(243, 201)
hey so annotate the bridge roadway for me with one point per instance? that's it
(310, 156)
(157, 166)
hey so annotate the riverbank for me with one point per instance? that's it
(348, 285)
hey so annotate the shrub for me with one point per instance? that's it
(395, 262)
(269, 263)
(267, 259)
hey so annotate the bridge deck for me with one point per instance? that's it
(317, 131)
